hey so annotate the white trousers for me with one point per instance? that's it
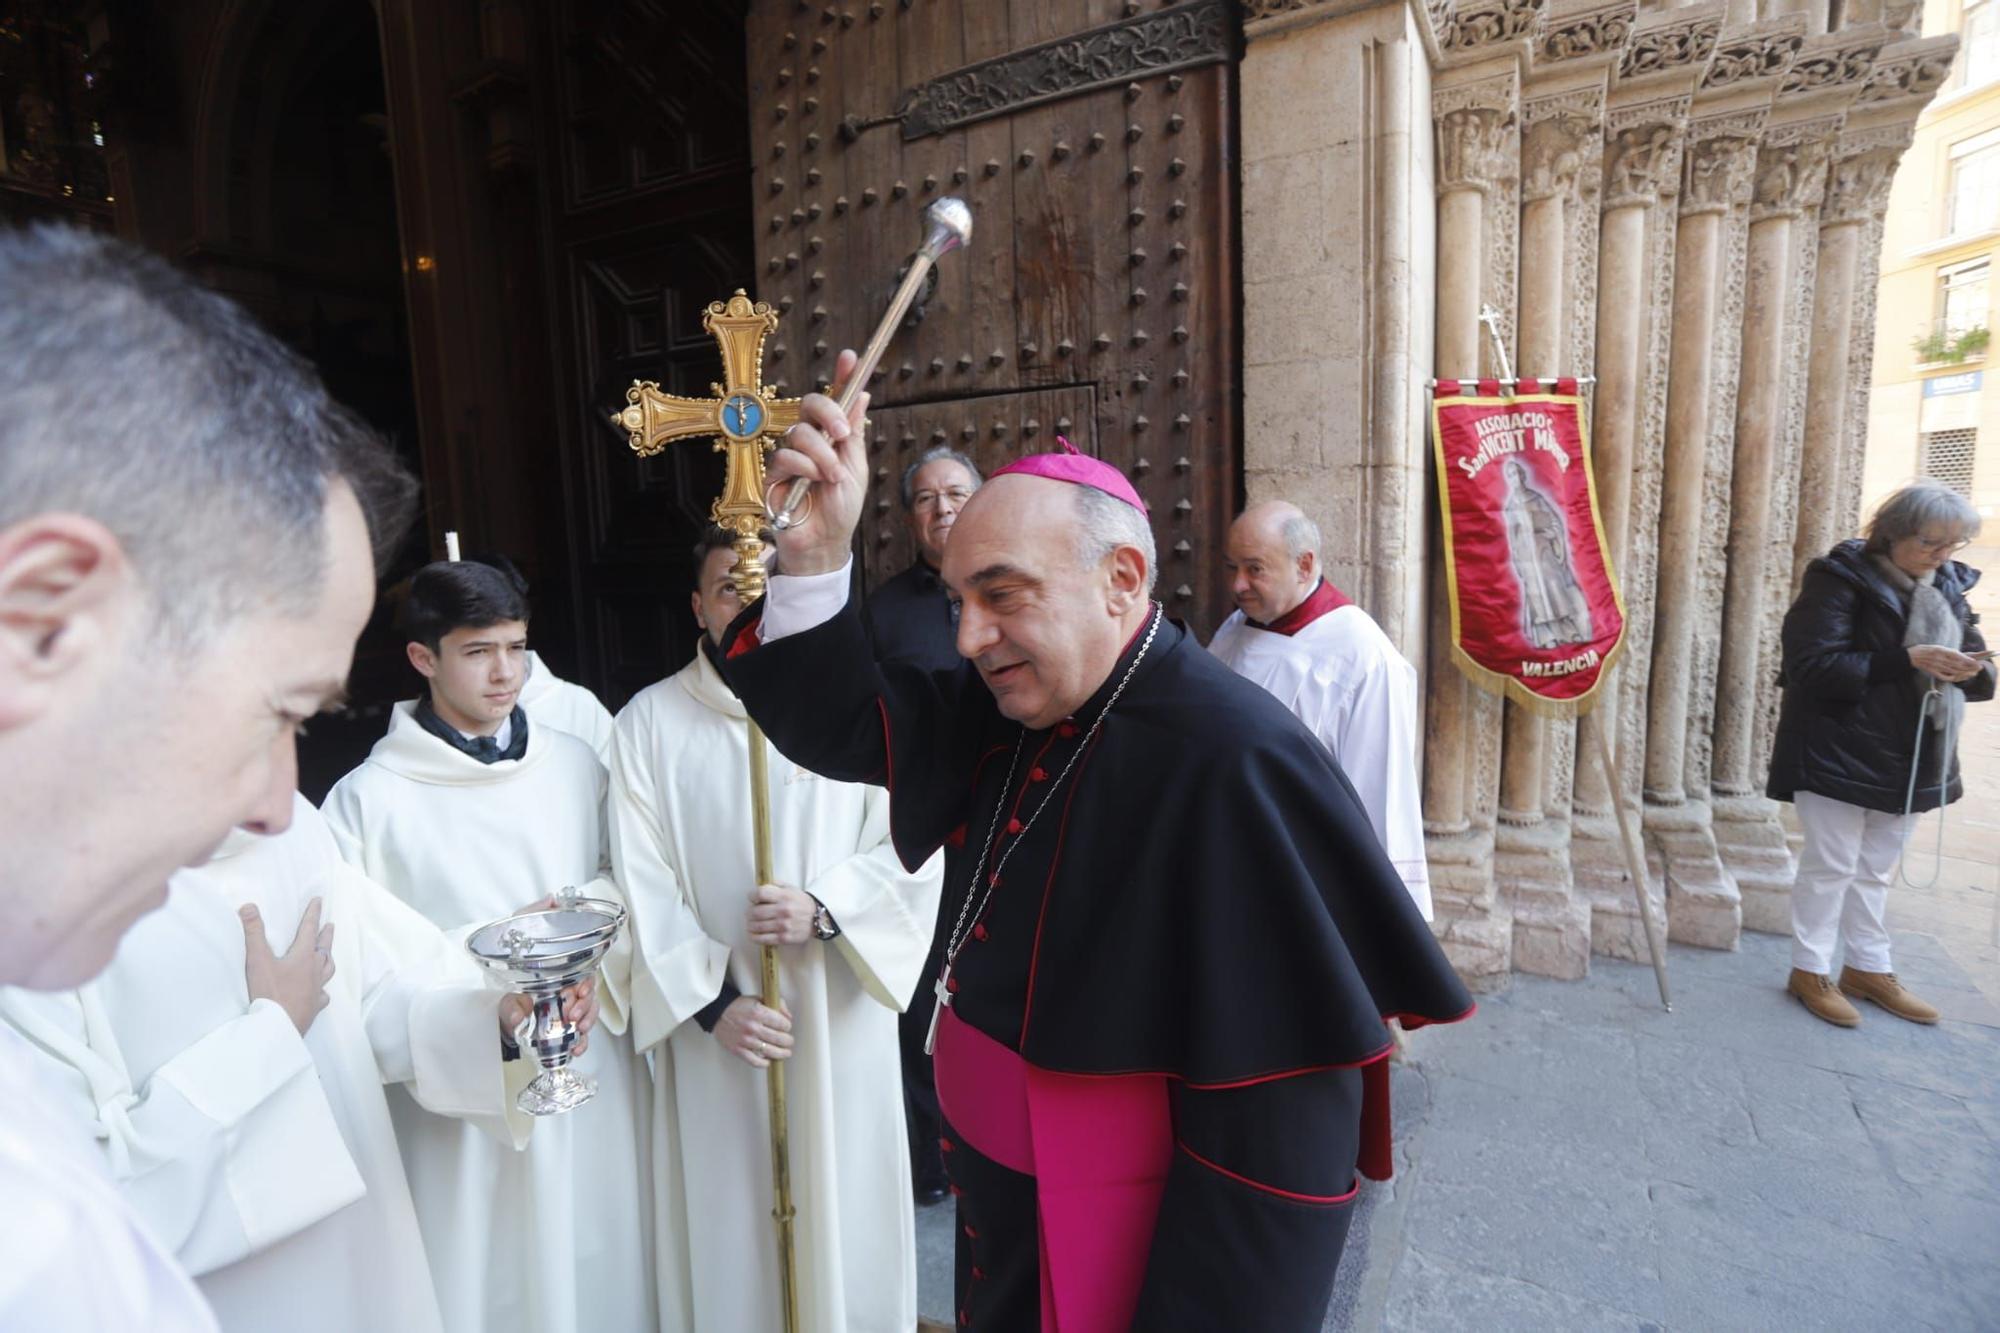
(1842, 891)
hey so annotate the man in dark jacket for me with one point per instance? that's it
(912, 620)
(910, 614)
(1878, 664)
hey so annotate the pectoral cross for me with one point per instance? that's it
(745, 418)
(943, 992)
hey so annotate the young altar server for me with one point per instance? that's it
(235, 1081)
(1326, 660)
(852, 928)
(550, 700)
(467, 811)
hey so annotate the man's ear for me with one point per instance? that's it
(1127, 573)
(65, 586)
(1309, 566)
(694, 604)
(422, 658)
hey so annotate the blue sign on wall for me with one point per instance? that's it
(1964, 382)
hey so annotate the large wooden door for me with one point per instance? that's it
(648, 221)
(1093, 139)
(1097, 300)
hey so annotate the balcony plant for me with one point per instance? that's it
(1943, 346)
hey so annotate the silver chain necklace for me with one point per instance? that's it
(967, 913)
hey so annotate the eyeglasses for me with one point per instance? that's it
(924, 500)
(1941, 545)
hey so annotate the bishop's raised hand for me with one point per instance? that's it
(829, 448)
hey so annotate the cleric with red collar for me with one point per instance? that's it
(1170, 934)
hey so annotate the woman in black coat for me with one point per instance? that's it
(1878, 665)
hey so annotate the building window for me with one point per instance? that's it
(1948, 458)
(1975, 190)
(1959, 330)
(1962, 297)
(1979, 58)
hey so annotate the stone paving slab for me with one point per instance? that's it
(1777, 1172)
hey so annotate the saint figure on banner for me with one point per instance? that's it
(1554, 610)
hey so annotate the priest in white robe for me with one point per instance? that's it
(79, 1257)
(262, 1155)
(1327, 660)
(856, 928)
(466, 811)
(566, 706)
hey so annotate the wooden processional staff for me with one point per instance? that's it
(746, 419)
(1635, 858)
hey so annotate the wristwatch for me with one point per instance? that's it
(823, 926)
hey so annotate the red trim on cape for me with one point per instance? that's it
(1320, 1200)
(751, 637)
(1411, 1022)
(1323, 598)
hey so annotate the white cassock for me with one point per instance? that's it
(554, 702)
(266, 1160)
(559, 1236)
(680, 838)
(1342, 677)
(74, 1256)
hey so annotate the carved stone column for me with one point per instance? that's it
(1665, 57)
(1477, 138)
(1642, 163)
(1531, 852)
(1703, 905)
(1857, 191)
(1789, 176)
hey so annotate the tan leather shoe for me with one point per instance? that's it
(1817, 994)
(1885, 990)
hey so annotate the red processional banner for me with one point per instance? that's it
(1536, 613)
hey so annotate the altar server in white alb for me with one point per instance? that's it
(231, 1061)
(547, 698)
(1328, 662)
(467, 811)
(169, 613)
(852, 928)
(554, 702)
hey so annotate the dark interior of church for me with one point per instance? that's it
(484, 219)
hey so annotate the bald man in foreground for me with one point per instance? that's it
(188, 534)
(1148, 863)
(1330, 664)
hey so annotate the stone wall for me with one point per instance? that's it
(1684, 202)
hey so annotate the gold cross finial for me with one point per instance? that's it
(744, 417)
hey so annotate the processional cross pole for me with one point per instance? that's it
(746, 419)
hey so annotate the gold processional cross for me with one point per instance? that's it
(744, 416)
(746, 419)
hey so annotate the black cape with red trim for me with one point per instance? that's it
(1202, 896)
